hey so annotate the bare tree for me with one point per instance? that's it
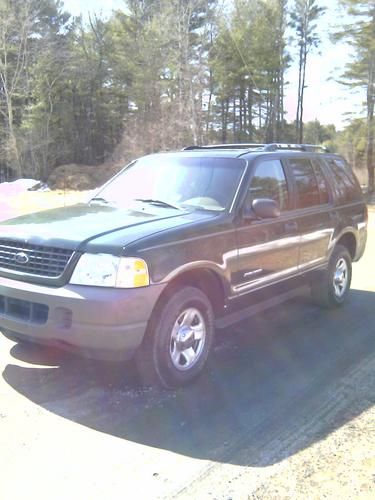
(304, 17)
(15, 23)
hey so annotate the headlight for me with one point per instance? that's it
(108, 270)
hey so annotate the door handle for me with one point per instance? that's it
(291, 226)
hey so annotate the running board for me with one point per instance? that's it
(259, 307)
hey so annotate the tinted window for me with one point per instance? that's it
(322, 183)
(269, 182)
(307, 185)
(346, 184)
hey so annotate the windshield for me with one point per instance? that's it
(176, 183)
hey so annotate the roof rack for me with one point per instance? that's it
(263, 147)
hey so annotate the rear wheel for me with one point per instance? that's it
(178, 341)
(331, 287)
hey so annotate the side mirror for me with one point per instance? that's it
(263, 208)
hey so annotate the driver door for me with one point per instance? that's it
(268, 249)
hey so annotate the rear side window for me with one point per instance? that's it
(269, 182)
(322, 183)
(306, 182)
(345, 183)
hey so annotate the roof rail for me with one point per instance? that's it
(241, 145)
(298, 147)
(263, 147)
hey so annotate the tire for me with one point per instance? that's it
(330, 288)
(178, 340)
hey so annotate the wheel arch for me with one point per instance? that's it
(206, 280)
(349, 241)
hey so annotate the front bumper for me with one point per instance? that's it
(103, 323)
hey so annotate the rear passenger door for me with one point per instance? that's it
(313, 205)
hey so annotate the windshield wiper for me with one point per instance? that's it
(161, 203)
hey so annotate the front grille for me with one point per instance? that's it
(37, 260)
(24, 310)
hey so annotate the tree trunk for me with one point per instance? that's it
(300, 137)
(14, 153)
(224, 119)
(250, 113)
(242, 112)
(298, 114)
(370, 126)
(209, 105)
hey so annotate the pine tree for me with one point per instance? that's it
(361, 71)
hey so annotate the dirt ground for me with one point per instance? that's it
(284, 411)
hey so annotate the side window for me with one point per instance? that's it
(269, 182)
(322, 183)
(345, 182)
(307, 185)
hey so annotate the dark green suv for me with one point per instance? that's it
(177, 244)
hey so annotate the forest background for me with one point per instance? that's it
(159, 75)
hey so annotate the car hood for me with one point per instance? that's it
(78, 226)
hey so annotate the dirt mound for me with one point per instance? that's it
(81, 177)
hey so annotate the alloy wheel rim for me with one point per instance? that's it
(340, 277)
(187, 339)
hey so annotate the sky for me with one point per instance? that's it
(325, 99)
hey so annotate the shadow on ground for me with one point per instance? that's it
(266, 376)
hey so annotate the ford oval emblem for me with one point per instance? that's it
(21, 258)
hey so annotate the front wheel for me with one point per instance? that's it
(331, 287)
(178, 340)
